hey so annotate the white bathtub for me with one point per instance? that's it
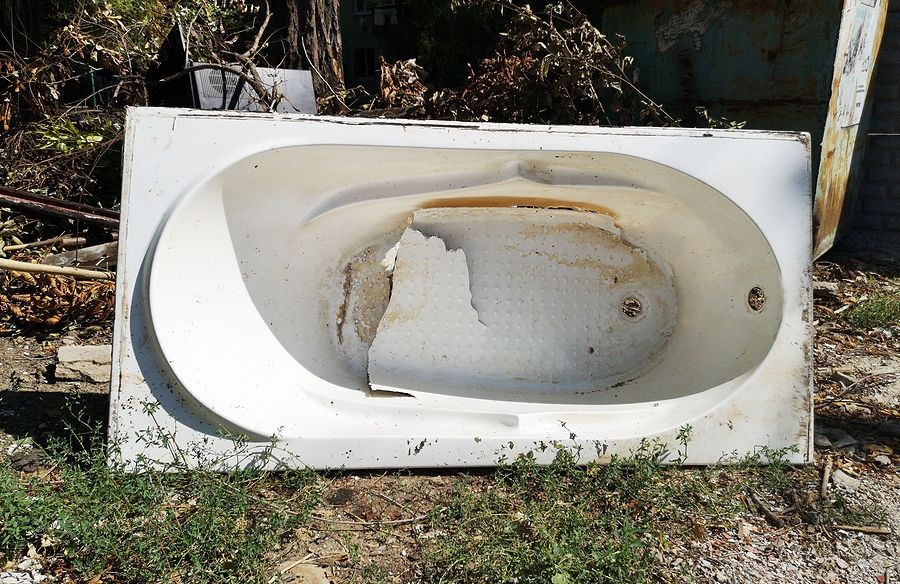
(252, 290)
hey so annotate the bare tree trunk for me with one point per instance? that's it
(314, 42)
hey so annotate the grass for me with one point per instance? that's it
(563, 523)
(151, 527)
(568, 523)
(195, 527)
(882, 310)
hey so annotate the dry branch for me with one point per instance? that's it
(58, 208)
(95, 255)
(826, 475)
(866, 529)
(768, 513)
(17, 266)
(61, 241)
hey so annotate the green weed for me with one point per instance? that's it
(878, 311)
(196, 526)
(563, 523)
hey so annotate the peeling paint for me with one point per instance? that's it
(844, 145)
(693, 18)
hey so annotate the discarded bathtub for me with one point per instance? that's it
(367, 293)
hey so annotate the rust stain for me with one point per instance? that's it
(842, 148)
(367, 289)
(342, 309)
(593, 237)
(518, 201)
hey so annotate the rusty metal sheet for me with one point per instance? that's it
(862, 29)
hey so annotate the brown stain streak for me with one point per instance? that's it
(494, 201)
(342, 309)
(367, 289)
(596, 237)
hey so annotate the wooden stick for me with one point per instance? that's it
(772, 518)
(371, 523)
(105, 253)
(62, 240)
(826, 474)
(16, 266)
(57, 207)
(866, 529)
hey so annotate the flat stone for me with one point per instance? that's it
(845, 481)
(84, 363)
(839, 438)
(26, 564)
(883, 460)
(826, 288)
(308, 574)
(822, 441)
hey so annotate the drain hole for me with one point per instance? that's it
(756, 299)
(631, 307)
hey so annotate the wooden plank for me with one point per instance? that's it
(103, 255)
(862, 29)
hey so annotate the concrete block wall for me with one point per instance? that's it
(876, 221)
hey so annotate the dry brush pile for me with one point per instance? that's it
(62, 106)
(550, 67)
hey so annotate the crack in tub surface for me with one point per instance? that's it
(517, 300)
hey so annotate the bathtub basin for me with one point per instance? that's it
(381, 294)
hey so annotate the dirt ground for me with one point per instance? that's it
(857, 375)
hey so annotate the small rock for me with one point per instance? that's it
(744, 529)
(84, 363)
(841, 563)
(822, 441)
(845, 481)
(883, 460)
(825, 289)
(27, 564)
(308, 574)
(839, 438)
(721, 577)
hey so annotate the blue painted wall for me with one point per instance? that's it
(766, 62)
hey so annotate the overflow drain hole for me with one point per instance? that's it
(756, 299)
(631, 308)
